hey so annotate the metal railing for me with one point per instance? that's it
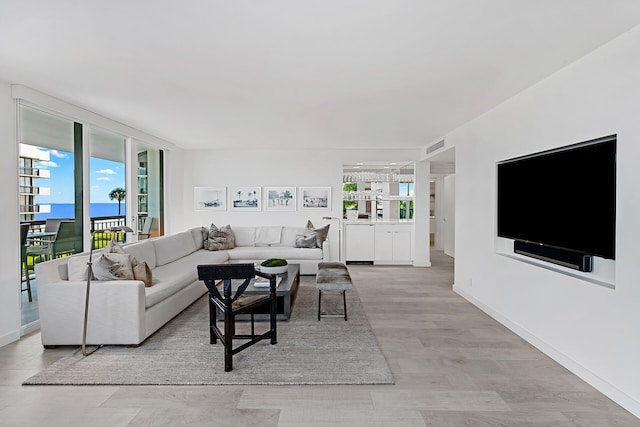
(100, 225)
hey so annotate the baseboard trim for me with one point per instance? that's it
(422, 263)
(9, 338)
(606, 388)
(29, 328)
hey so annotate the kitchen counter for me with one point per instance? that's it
(379, 221)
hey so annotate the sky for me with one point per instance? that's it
(105, 176)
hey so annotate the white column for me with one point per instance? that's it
(421, 256)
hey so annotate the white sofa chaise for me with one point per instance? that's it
(125, 311)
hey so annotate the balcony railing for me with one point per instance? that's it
(34, 172)
(30, 190)
(100, 225)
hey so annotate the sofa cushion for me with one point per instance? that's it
(171, 248)
(172, 277)
(245, 236)
(259, 254)
(199, 235)
(267, 236)
(143, 252)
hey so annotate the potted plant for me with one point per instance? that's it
(274, 266)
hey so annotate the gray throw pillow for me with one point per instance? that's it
(321, 233)
(308, 241)
(113, 247)
(113, 266)
(220, 238)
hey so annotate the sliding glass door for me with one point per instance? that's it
(51, 196)
(107, 185)
(150, 201)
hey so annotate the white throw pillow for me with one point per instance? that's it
(77, 267)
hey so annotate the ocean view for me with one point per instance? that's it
(65, 210)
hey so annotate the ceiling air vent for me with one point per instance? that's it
(433, 147)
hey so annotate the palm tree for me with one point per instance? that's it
(287, 196)
(117, 194)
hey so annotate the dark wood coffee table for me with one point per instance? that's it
(285, 293)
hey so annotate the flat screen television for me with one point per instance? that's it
(563, 198)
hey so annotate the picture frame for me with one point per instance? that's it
(315, 198)
(210, 198)
(279, 199)
(247, 199)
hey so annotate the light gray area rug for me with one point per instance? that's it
(330, 351)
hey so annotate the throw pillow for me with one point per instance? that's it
(308, 241)
(220, 238)
(113, 266)
(77, 267)
(142, 272)
(113, 247)
(321, 233)
(205, 236)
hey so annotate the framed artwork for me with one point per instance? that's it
(315, 198)
(279, 198)
(210, 198)
(245, 198)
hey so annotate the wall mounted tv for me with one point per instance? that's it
(561, 200)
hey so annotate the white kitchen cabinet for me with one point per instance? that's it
(359, 242)
(384, 245)
(393, 244)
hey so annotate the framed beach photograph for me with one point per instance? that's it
(245, 198)
(279, 198)
(210, 198)
(315, 198)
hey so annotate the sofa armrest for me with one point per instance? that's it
(326, 253)
(116, 312)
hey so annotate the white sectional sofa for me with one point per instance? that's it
(125, 311)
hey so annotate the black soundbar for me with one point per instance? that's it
(574, 260)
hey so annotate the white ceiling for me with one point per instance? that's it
(294, 73)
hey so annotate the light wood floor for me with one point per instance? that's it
(453, 365)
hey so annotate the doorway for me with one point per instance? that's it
(442, 203)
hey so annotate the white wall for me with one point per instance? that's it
(10, 248)
(319, 168)
(448, 225)
(593, 330)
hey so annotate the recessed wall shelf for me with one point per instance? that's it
(603, 273)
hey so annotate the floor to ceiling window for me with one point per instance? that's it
(50, 221)
(74, 180)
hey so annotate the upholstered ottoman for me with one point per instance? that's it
(333, 276)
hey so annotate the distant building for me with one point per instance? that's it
(29, 156)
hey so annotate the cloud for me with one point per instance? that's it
(43, 164)
(106, 171)
(103, 178)
(56, 153)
